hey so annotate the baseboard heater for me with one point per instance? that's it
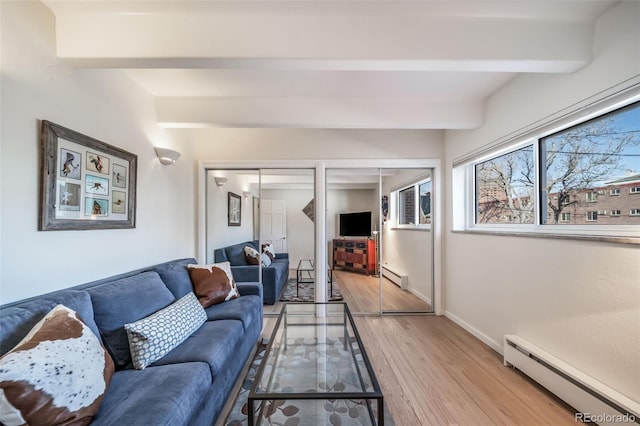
(592, 400)
(400, 280)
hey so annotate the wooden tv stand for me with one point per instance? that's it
(358, 255)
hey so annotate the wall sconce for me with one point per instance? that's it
(220, 181)
(246, 194)
(167, 156)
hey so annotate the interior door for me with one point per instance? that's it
(273, 220)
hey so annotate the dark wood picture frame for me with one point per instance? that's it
(234, 209)
(84, 156)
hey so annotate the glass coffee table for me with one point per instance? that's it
(304, 274)
(315, 371)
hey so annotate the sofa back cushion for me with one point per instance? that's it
(123, 301)
(18, 319)
(176, 276)
(235, 254)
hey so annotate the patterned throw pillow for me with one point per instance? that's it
(58, 374)
(269, 251)
(213, 283)
(254, 258)
(153, 337)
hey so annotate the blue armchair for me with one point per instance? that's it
(274, 276)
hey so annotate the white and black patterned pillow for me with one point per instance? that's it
(153, 337)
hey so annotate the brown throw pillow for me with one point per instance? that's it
(252, 255)
(58, 374)
(213, 283)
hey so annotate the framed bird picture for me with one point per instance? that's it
(85, 183)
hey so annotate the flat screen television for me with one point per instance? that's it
(355, 224)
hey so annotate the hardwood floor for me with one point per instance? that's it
(362, 294)
(433, 372)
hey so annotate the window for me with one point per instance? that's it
(407, 207)
(634, 212)
(414, 205)
(559, 179)
(504, 188)
(589, 158)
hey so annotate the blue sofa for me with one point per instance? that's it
(274, 277)
(189, 385)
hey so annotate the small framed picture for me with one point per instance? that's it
(69, 197)
(119, 177)
(70, 163)
(234, 209)
(97, 163)
(96, 185)
(118, 202)
(96, 207)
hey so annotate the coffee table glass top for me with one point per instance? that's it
(315, 353)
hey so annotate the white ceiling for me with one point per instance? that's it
(326, 64)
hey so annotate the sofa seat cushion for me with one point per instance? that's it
(124, 301)
(214, 343)
(165, 395)
(19, 319)
(247, 309)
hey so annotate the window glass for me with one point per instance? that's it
(406, 206)
(587, 168)
(505, 188)
(424, 189)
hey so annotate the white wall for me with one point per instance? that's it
(106, 105)
(578, 300)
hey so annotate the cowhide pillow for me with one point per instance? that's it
(58, 374)
(213, 283)
(254, 257)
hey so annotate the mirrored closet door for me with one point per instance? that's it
(379, 239)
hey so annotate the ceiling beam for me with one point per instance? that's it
(337, 113)
(372, 41)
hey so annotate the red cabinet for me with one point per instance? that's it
(355, 255)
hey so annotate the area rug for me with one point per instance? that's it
(306, 292)
(285, 413)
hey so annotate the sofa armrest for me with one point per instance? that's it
(248, 274)
(282, 256)
(250, 289)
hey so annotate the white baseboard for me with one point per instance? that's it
(477, 333)
(420, 296)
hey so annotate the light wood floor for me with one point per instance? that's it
(433, 372)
